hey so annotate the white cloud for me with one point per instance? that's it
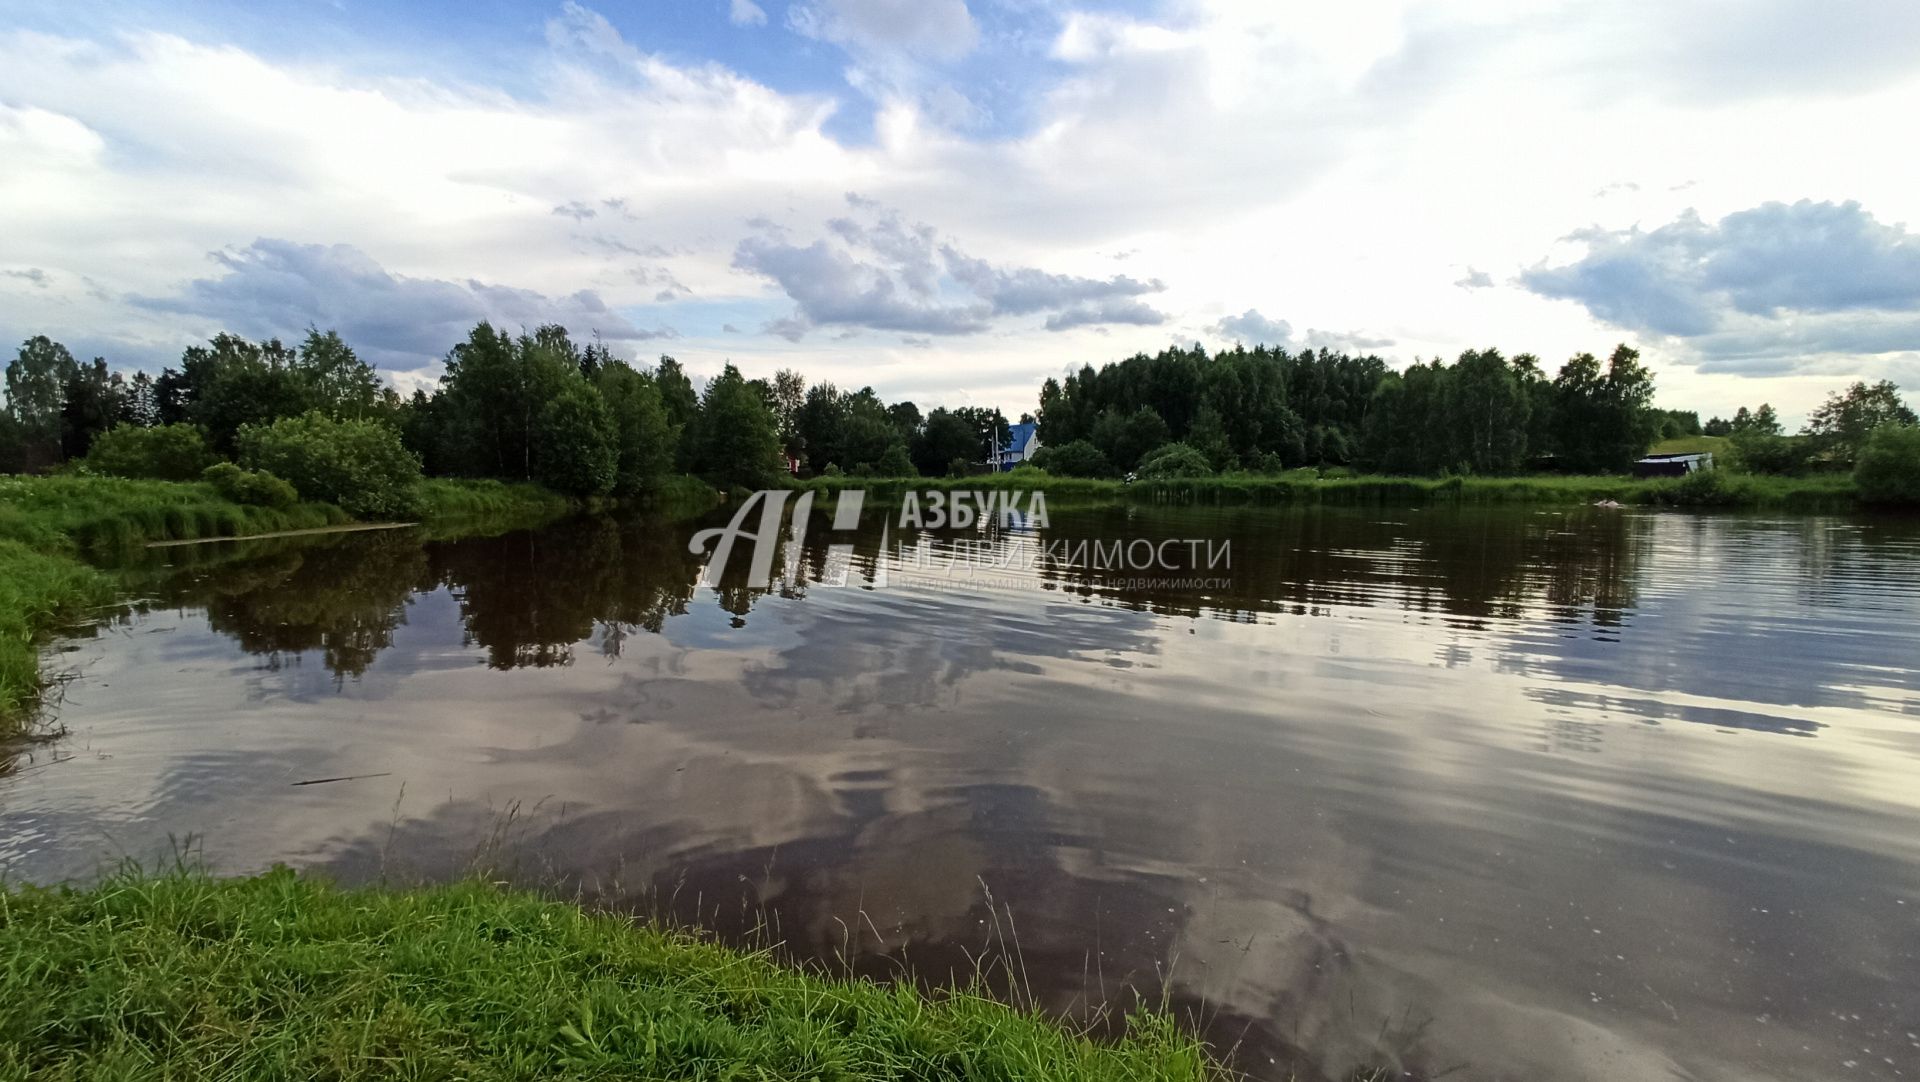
(1756, 289)
(1250, 328)
(940, 29)
(276, 287)
(890, 275)
(746, 13)
(1351, 160)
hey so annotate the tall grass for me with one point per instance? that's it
(284, 977)
(101, 514)
(38, 591)
(680, 494)
(472, 507)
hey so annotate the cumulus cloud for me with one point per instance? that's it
(1818, 277)
(278, 287)
(890, 274)
(1106, 312)
(746, 13)
(1252, 328)
(1345, 342)
(941, 29)
(1024, 290)
(107, 132)
(1475, 279)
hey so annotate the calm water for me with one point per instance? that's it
(1543, 794)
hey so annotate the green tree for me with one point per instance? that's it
(646, 440)
(13, 456)
(896, 462)
(906, 420)
(575, 442)
(944, 438)
(92, 405)
(1125, 437)
(140, 405)
(495, 386)
(36, 381)
(1208, 435)
(1889, 468)
(230, 382)
(1487, 409)
(677, 396)
(1079, 458)
(789, 395)
(1605, 421)
(1842, 424)
(338, 383)
(1760, 422)
(736, 439)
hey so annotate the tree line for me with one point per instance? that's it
(1266, 408)
(535, 406)
(539, 406)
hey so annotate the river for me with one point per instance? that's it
(1488, 793)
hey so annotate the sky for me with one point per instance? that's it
(950, 200)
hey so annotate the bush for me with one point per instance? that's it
(256, 488)
(1889, 468)
(896, 463)
(161, 453)
(1773, 454)
(359, 465)
(1174, 460)
(1077, 459)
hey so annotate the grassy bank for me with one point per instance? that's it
(466, 508)
(73, 512)
(284, 977)
(1717, 488)
(51, 526)
(38, 590)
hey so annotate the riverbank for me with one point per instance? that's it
(51, 526)
(1710, 489)
(283, 976)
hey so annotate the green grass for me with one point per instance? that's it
(681, 494)
(38, 591)
(470, 507)
(284, 977)
(100, 514)
(1691, 445)
(1720, 488)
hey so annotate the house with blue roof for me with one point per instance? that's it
(1022, 441)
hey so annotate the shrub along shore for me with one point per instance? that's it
(1712, 488)
(284, 976)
